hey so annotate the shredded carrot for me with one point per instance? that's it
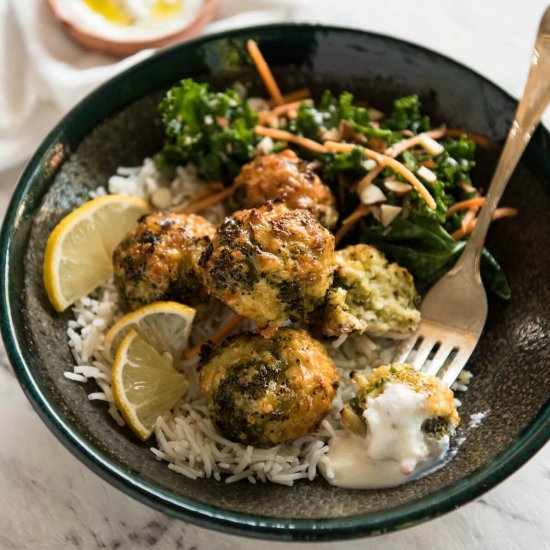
(465, 205)
(206, 202)
(385, 160)
(428, 164)
(411, 178)
(361, 211)
(341, 233)
(458, 132)
(286, 107)
(297, 95)
(349, 147)
(214, 185)
(499, 213)
(227, 328)
(505, 212)
(369, 178)
(273, 133)
(461, 232)
(467, 187)
(468, 218)
(397, 148)
(342, 185)
(265, 72)
(264, 117)
(208, 189)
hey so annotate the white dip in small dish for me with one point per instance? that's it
(129, 20)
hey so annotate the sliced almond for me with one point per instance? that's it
(374, 114)
(431, 146)
(397, 187)
(331, 135)
(371, 194)
(347, 132)
(369, 164)
(315, 165)
(265, 147)
(388, 213)
(426, 174)
(258, 104)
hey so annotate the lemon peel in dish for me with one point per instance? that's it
(164, 325)
(145, 384)
(79, 250)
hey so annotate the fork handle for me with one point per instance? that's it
(528, 114)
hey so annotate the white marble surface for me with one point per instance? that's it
(48, 500)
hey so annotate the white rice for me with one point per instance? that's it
(185, 437)
(174, 187)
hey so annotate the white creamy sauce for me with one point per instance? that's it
(394, 421)
(476, 419)
(395, 449)
(143, 28)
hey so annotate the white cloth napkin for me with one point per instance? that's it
(43, 73)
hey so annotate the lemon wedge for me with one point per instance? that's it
(79, 250)
(164, 325)
(145, 385)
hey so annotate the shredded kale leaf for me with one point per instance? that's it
(406, 115)
(424, 247)
(213, 130)
(313, 121)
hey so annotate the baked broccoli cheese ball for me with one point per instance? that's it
(270, 264)
(287, 176)
(369, 295)
(436, 399)
(159, 260)
(262, 392)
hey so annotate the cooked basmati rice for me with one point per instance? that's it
(186, 437)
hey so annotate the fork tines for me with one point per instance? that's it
(438, 349)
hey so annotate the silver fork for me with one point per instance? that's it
(455, 309)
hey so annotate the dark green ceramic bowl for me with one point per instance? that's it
(117, 125)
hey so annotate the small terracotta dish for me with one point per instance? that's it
(123, 47)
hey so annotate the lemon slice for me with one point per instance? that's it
(79, 250)
(145, 385)
(163, 325)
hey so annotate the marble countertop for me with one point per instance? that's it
(49, 500)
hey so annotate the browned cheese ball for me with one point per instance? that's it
(262, 391)
(287, 176)
(270, 264)
(439, 403)
(369, 294)
(159, 260)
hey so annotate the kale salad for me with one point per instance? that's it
(221, 131)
